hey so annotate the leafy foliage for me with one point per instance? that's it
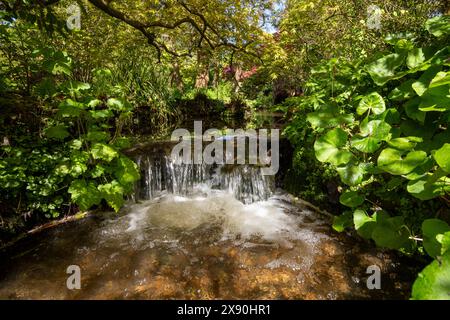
(398, 141)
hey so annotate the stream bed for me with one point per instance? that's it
(200, 232)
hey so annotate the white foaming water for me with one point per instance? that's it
(267, 220)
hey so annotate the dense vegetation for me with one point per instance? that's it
(366, 109)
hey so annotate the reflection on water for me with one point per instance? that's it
(205, 245)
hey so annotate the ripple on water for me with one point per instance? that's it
(203, 246)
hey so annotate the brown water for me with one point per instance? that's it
(206, 245)
(200, 232)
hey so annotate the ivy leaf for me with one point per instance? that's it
(442, 157)
(373, 102)
(351, 199)
(113, 194)
(85, 195)
(430, 229)
(58, 132)
(328, 147)
(391, 161)
(383, 69)
(102, 151)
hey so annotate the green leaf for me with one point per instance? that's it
(436, 99)
(442, 157)
(422, 84)
(85, 195)
(428, 188)
(402, 144)
(340, 223)
(70, 108)
(444, 240)
(58, 132)
(415, 58)
(364, 224)
(438, 26)
(328, 117)
(383, 69)
(372, 134)
(351, 199)
(113, 194)
(391, 161)
(101, 114)
(404, 46)
(79, 161)
(73, 86)
(441, 79)
(403, 92)
(433, 282)
(97, 136)
(352, 175)
(412, 110)
(328, 148)
(391, 233)
(127, 172)
(118, 104)
(373, 102)
(102, 151)
(431, 228)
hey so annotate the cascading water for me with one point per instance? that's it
(162, 173)
(197, 232)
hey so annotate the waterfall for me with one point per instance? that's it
(161, 173)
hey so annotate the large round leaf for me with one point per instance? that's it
(352, 174)
(438, 26)
(428, 188)
(351, 199)
(384, 69)
(433, 283)
(431, 228)
(393, 162)
(402, 144)
(364, 224)
(391, 233)
(328, 148)
(373, 102)
(442, 157)
(372, 134)
(327, 117)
